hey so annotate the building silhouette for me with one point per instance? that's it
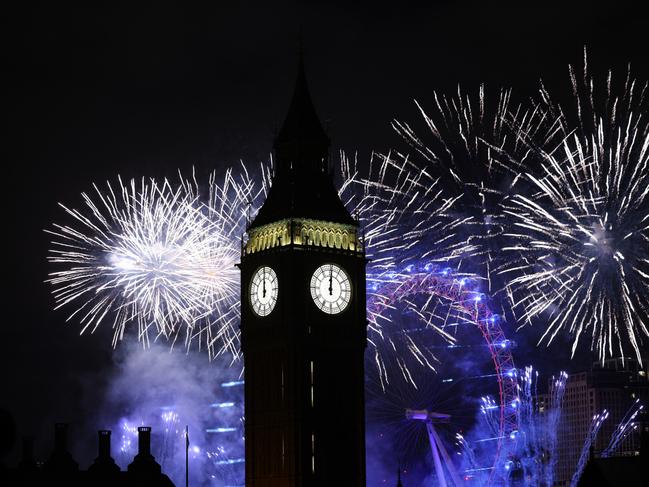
(303, 319)
(61, 469)
(613, 386)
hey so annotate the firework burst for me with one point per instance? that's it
(581, 237)
(472, 144)
(399, 205)
(155, 257)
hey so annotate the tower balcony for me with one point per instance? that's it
(303, 232)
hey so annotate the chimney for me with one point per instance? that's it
(144, 463)
(27, 462)
(61, 437)
(103, 446)
(104, 463)
(144, 440)
(61, 460)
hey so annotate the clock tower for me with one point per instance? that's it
(303, 319)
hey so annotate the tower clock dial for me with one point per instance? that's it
(330, 288)
(263, 291)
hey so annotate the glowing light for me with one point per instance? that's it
(222, 405)
(221, 430)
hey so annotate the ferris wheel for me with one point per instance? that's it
(439, 345)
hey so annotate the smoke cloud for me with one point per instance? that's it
(169, 390)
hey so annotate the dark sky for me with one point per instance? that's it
(98, 91)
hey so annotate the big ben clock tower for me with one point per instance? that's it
(303, 319)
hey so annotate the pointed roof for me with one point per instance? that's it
(302, 133)
(399, 484)
(302, 183)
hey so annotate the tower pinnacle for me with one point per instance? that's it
(302, 184)
(301, 142)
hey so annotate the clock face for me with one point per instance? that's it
(263, 291)
(330, 288)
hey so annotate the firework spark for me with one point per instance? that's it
(472, 143)
(163, 257)
(581, 239)
(156, 257)
(593, 430)
(410, 233)
(627, 426)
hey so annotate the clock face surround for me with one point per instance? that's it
(263, 291)
(331, 288)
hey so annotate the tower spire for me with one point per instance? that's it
(301, 143)
(302, 184)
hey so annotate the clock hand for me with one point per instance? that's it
(331, 276)
(263, 283)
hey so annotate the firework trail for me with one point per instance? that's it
(467, 452)
(625, 428)
(557, 391)
(537, 437)
(528, 411)
(401, 208)
(172, 429)
(156, 257)
(594, 428)
(398, 204)
(488, 410)
(579, 251)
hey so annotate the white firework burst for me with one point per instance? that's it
(580, 237)
(156, 257)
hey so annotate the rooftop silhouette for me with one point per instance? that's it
(62, 469)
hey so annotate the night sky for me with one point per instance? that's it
(97, 91)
